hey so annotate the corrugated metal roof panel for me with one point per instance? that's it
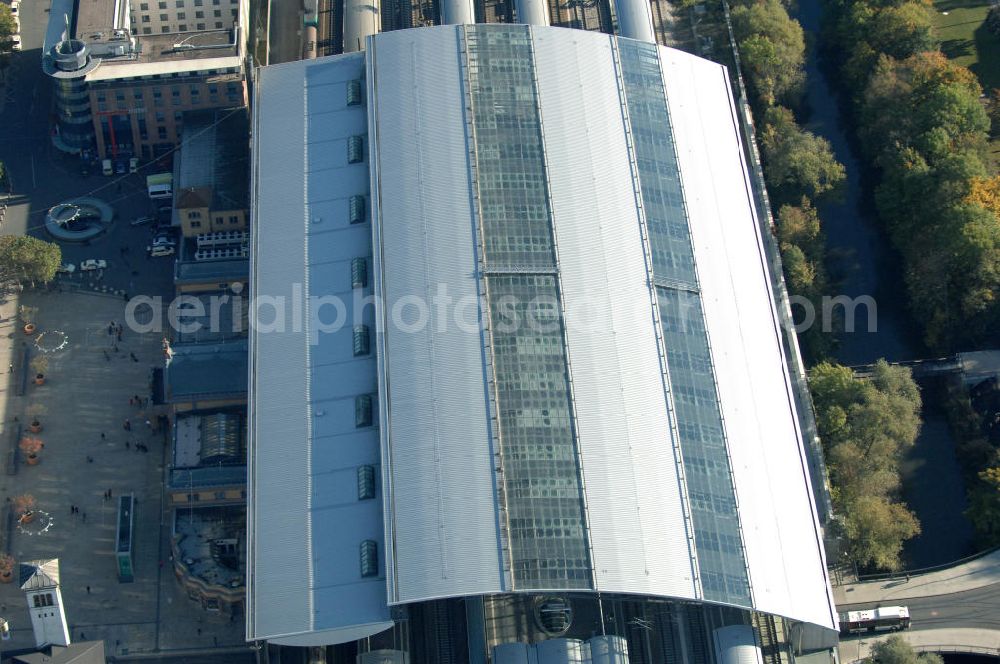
(340, 521)
(784, 552)
(636, 525)
(442, 465)
(308, 521)
(281, 565)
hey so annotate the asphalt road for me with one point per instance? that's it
(978, 609)
(41, 176)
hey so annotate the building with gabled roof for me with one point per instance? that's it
(39, 579)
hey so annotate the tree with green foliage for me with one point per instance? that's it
(895, 650)
(993, 20)
(773, 48)
(8, 27)
(993, 107)
(796, 162)
(925, 102)
(901, 30)
(803, 253)
(984, 506)
(923, 123)
(865, 426)
(876, 527)
(27, 259)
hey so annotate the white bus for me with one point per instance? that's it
(883, 618)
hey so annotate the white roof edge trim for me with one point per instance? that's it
(789, 389)
(385, 428)
(322, 637)
(251, 540)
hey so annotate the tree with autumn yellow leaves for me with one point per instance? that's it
(985, 192)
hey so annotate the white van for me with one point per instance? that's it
(106, 167)
(133, 165)
(160, 185)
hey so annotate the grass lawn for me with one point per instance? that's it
(965, 39)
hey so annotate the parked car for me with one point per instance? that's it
(163, 242)
(66, 268)
(133, 165)
(139, 221)
(93, 264)
(160, 250)
(15, 42)
(120, 168)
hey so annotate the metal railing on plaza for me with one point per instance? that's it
(888, 576)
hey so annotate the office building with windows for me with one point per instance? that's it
(517, 382)
(122, 87)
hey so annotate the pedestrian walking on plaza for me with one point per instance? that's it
(90, 459)
(128, 425)
(131, 401)
(10, 368)
(149, 424)
(106, 356)
(134, 358)
(128, 445)
(88, 590)
(103, 437)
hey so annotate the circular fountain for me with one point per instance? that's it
(78, 219)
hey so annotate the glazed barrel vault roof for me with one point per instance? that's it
(640, 437)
